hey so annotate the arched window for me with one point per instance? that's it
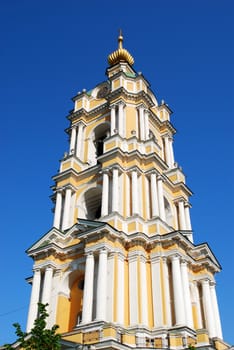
(93, 201)
(96, 142)
(168, 212)
(76, 282)
(100, 133)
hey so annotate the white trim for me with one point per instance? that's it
(133, 291)
(110, 287)
(156, 291)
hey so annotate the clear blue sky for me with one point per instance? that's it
(52, 49)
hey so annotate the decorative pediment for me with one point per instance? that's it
(59, 239)
(202, 253)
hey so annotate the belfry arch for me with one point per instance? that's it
(96, 141)
(89, 204)
(168, 211)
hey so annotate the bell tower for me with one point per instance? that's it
(119, 267)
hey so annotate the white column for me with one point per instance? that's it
(154, 195)
(176, 215)
(177, 291)
(215, 311)
(79, 141)
(142, 123)
(66, 212)
(187, 217)
(198, 305)
(113, 120)
(110, 287)
(115, 190)
(58, 209)
(121, 118)
(161, 199)
(143, 291)
(188, 221)
(126, 195)
(167, 151)
(33, 307)
(133, 290)
(120, 290)
(73, 140)
(156, 291)
(88, 289)
(47, 285)
(105, 193)
(181, 215)
(209, 316)
(110, 290)
(146, 124)
(147, 197)
(172, 159)
(166, 292)
(187, 298)
(54, 298)
(101, 286)
(140, 198)
(135, 203)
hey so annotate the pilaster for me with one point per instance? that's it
(33, 307)
(177, 291)
(156, 290)
(207, 305)
(88, 289)
(101, 286)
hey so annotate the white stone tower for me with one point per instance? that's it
(119, 268)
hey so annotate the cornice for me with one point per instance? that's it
(64, 174)
(87, 113)
(57, 250)
(164, 105)
(82, 122)
(169, 126)
(137, 76)
(178, 185)
(161, 123)
(68, 172)
(196, 255)
(134, 154)
(156, 119)
(76, 114)
(176, 236)
(134, 96)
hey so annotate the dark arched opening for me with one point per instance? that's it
(93, 201)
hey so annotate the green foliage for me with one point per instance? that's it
(191, 347)
(39, 337)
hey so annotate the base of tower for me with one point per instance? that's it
(102, 335)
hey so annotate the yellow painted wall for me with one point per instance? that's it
(130, 120)
(116, 83)
(130, 86)
(76, 301)
(62, 316)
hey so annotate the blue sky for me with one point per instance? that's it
(50, 50)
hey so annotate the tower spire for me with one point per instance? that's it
(120, 39)
(121, 54)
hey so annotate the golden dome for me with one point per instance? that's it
(120, 54)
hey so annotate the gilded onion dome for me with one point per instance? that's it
(120, 54)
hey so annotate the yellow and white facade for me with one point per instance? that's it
(119, 268)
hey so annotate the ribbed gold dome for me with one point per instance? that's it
(120, 54)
